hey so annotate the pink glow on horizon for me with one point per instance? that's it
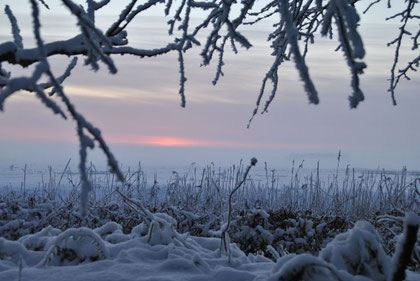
(157, 141)
(168, 141)
(171, 141)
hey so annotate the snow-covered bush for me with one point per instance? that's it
(257, 224)
(162, 230)
(359, 252)
(355, 255)
(11, 250)
(39, 240)
(74, 246)
(308, 268)
(112, 233)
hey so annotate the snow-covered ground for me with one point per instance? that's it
(161, 254)
(154, 249)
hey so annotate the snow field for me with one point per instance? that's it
(177, 236)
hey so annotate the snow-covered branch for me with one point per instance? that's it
(292, 38)
(351, 43)
(300, 20)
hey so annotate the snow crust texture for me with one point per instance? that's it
(106, 253)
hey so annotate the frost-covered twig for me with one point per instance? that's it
(15, 28)
(294, 17)
(47, 85)
(93, 37)
(351, 43)
(94, 6)
(405, 15)
(124, 13)
(411, 66)
(373, 3)
(291, 35)
(233, 35)
(303, 17)
(29, 83)
(82, 124)
(128, 14)
(182, 78)
(63, 77)
(44, 4)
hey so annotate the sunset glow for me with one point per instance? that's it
(169, 141)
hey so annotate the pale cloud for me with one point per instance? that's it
(119, 93)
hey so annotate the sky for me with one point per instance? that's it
(138, 109)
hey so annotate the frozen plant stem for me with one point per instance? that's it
(225, 227)
(24, 181)
(20, 265)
